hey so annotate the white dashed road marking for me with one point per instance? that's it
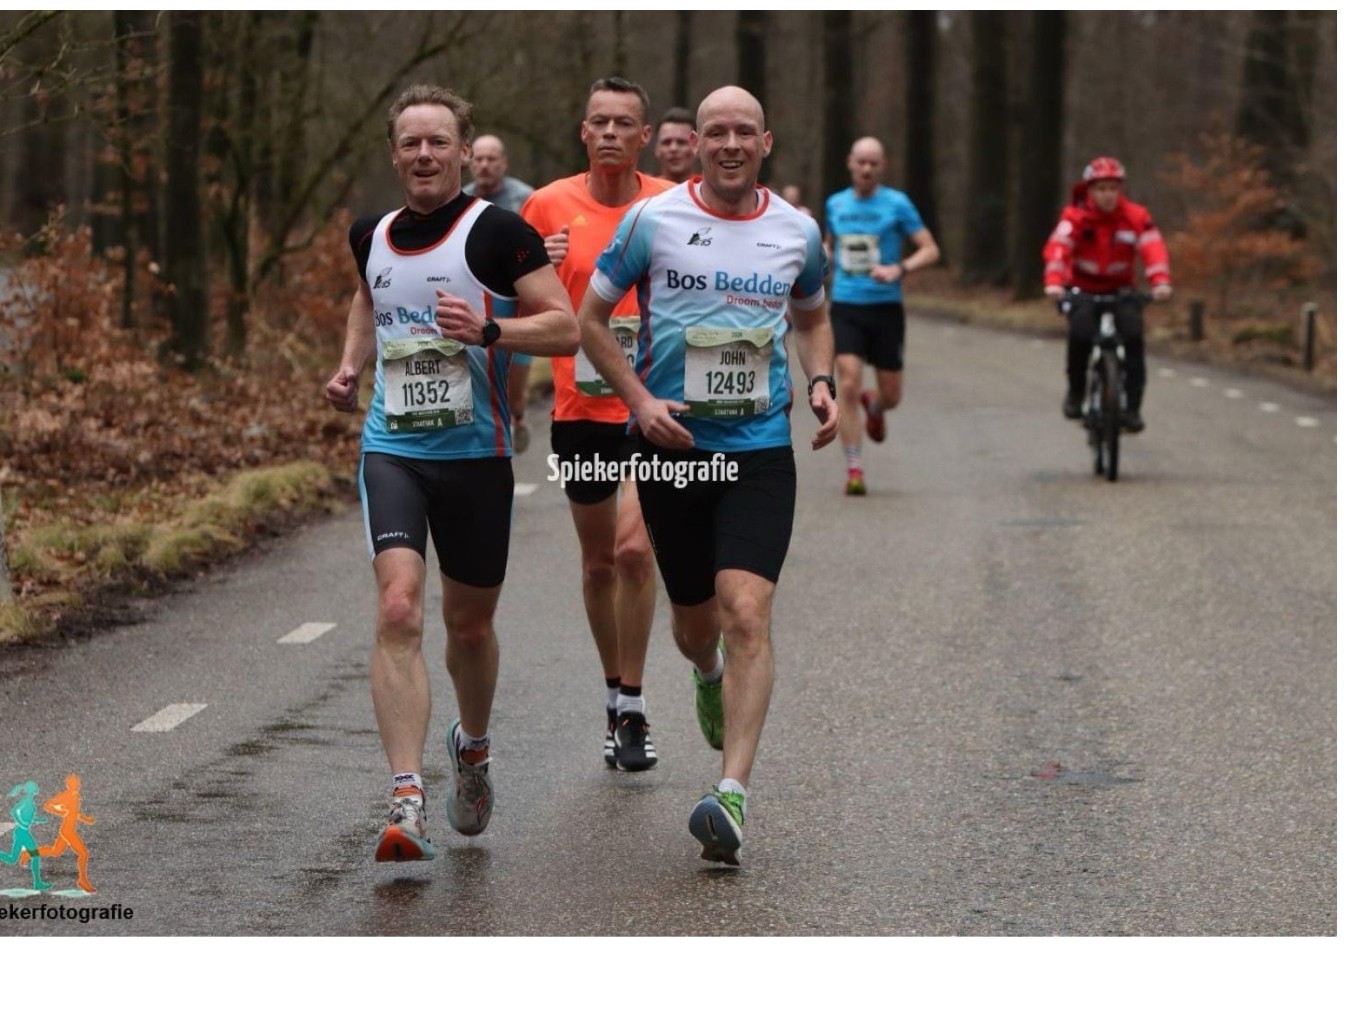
(525, 488)
(1166, 373)
(1270, 408)
(1233, 394)
(1306, 423)
(1200, 382)
(305, 634)
(5, 827)
(168, 718)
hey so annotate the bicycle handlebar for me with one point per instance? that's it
(1064, 303)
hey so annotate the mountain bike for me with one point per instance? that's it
(1103, 407)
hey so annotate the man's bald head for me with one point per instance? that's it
(866, 163)
(726, 99)
(868, 145)
(733, 143)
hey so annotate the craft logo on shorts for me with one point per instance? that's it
(25, 852)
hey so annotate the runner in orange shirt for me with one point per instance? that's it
(577, 217)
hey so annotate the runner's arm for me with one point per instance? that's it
(927, 252)
(653, 415)
(343, 388)
(817, 354)
(544, 326)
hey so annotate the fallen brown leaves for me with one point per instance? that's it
(94, 431)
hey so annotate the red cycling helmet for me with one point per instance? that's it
(1103, 168)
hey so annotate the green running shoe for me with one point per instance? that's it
(708, 707)
(716, 822)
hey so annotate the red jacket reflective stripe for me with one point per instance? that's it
(1094, 250)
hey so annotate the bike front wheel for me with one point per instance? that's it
(1110, 414)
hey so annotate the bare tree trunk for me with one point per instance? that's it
(135, 52)
(1040, 186)
(985, 235)
(752, 27)
(6, 586)
(620, 44)
(838, 112)
(186, 267)
(921, 74)
(231, 147)
(683, 43)
(44, 160)
(1271, 113)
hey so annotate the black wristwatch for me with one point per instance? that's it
(491, 332)
(830, 384)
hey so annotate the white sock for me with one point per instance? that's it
(714, 675)
(627, 703)
(466, 743)
(401, 779)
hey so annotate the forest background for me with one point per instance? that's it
(175, 190)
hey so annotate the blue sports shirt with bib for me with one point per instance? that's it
(866, 232)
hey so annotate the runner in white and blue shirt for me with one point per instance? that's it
(713, 292)
(718, 263)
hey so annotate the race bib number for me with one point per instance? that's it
(588, 379)
(858, 253)
(727, 371)
(427, 385)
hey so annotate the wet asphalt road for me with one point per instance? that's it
(1011, 699)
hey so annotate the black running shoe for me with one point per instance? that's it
(612, 718)
(633, 743)
(1072, 406)
(1133, 422)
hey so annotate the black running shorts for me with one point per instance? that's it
(466, 504)
(703, 527)
(583, 441)
(873, 333)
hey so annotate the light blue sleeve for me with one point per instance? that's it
(627, 257)
(815, 270)
(910, 219)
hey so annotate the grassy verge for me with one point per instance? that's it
(64, 569)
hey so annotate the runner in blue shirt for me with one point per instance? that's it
(867, 227)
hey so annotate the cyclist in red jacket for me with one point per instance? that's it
(1092, 249)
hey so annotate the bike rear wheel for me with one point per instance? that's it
(1110, 413)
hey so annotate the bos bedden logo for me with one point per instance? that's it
(750, 283)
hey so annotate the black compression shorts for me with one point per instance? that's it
(704, 527)
(582, 441)
(466, 503)
(873, 333)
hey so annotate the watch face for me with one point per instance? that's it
(491, 332)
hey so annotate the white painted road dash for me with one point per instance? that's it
(168, 718)
(1233, 394)
(305, 634)
(1200, 382)
(1269, 408)
(525, 488)
(5, 827)
(1306, 423)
